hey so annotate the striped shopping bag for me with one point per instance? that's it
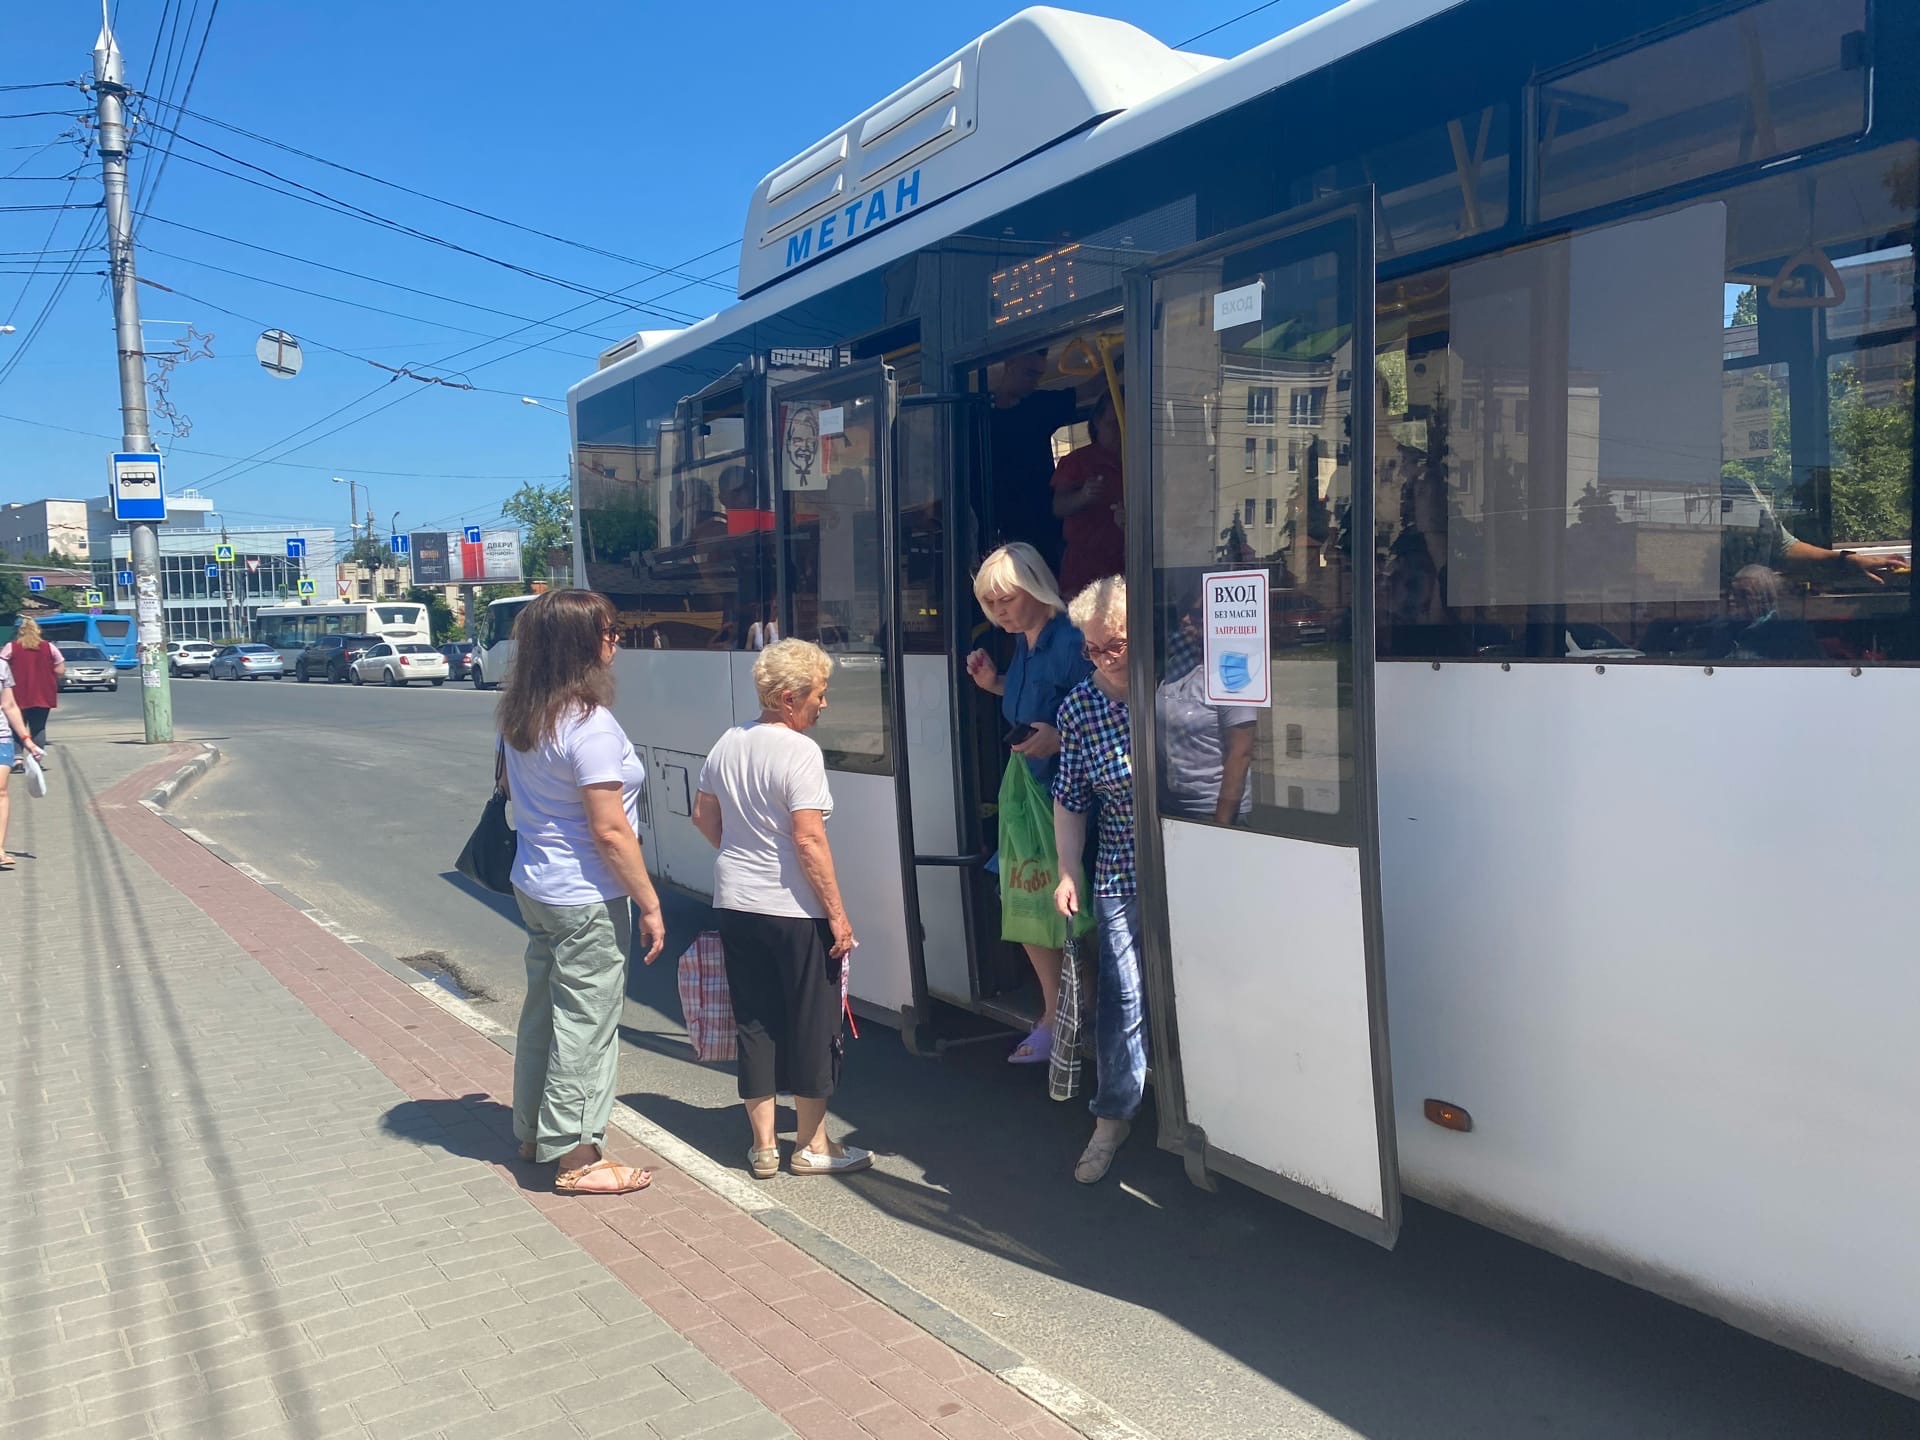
(705, 1000)
(1063, 1067)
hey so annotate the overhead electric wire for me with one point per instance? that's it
(319, 295)
(19, 352)
(283, 464)
(658, 270)
(150, 178)
(52, 230)
(40, 85)
(334, 205)
(222, 476)
(38, 151)
(1215, 29)
(334, 269)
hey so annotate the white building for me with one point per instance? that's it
(199, 605)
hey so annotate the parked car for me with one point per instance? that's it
(400, 664)
(459, 659)
(87, 668)
(190, 657)
(331, 655)
(1297, 619)
(1587, 641)
(247, 662)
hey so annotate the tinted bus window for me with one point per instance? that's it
(1766, 82)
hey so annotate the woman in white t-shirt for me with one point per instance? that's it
(763, 803)
(574, 782)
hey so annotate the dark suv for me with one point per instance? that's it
(330, 656)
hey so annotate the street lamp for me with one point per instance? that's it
(353, 512)
(6, 329)
(541, 404)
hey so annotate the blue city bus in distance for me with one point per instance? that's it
(112, 633)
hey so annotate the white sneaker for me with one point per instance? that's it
(806, 1162)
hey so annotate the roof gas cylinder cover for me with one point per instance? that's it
(1025, 84)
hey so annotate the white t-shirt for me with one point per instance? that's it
(558, 863)
(761, 774)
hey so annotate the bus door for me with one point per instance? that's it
(1251, 620)
(832, 443)
(940, 442)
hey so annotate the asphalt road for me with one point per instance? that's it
(1192, 1315)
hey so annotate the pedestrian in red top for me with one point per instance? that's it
(1088, 500)
(37, 666)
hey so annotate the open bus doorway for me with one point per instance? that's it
(1051, 405)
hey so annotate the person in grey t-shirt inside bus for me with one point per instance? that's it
(763, 803)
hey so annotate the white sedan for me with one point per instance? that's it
(399, 665)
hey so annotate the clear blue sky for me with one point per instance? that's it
(639, 129)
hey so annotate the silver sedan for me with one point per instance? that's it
(247, 662)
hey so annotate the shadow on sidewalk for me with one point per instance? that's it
(474, 1127)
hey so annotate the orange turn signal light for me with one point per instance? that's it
(1448, 1116)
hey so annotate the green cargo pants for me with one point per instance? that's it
(568, 1052)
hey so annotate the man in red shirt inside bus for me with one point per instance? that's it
(1088, 500)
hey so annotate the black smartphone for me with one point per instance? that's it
(1019, 735)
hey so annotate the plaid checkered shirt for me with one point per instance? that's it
(1096, 763)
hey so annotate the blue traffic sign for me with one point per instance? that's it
(137, 490)
(213, 572)
(36, 583)
(472, 534)
(306, 587)
(296, 548)
(400, 544)
(126, 579)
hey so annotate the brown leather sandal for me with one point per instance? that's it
(602, 1177)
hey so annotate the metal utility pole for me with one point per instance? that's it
(110, 94)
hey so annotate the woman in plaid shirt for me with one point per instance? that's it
(1096, 764)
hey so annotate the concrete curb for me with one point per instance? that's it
(177, 783)
(1067, 1403)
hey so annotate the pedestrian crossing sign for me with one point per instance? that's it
(223, 554)
(306, 588)
(94, 597)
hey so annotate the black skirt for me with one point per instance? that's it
(786, 1003)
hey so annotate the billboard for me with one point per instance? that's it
(443, 559)
(430, 566)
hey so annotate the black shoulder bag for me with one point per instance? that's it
(488, 858)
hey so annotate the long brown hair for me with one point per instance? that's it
(557, 665)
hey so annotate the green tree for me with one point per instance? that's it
(545, 514)
(1746, 306)
(1873, 458)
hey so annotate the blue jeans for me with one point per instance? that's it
(1120, 1014)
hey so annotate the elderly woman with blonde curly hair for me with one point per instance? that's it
(763, 803)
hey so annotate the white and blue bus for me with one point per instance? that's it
(1551, 369)
(112, 633)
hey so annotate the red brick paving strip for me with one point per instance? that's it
(826, 1357)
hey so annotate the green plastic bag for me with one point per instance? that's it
(1029, 868)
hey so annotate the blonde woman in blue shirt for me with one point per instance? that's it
(1018, 592)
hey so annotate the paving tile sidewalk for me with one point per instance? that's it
(254, 1184)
